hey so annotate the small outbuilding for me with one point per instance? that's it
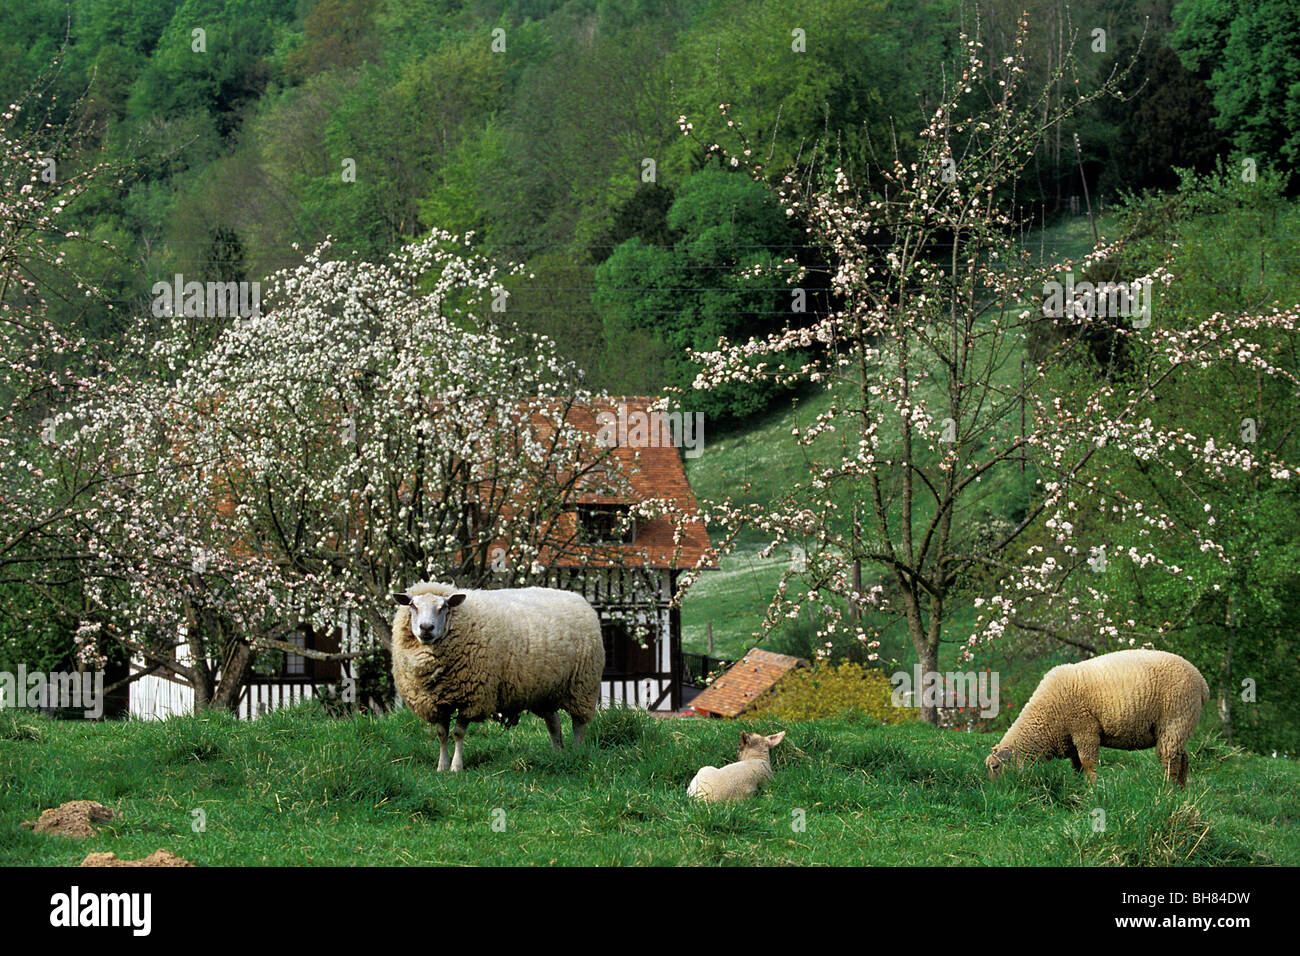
(745, 682)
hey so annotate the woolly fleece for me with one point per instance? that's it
(1128, 700)
(739, 780)
(505, 651)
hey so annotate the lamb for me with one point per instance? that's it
(739, 780)
(495, 654)
(1129, 700)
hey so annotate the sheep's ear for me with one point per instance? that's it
(455, 600)
(775, 739)
(403, 598)
(744, 738)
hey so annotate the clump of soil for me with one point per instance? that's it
(71, 819)
(156, 858)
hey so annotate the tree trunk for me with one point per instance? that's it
(927, 652)
(233, 675)
(202, 684)
(855, 606)
(929, 665)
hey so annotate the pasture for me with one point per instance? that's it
(299, 788)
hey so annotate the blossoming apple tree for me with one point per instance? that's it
(376, 424)
(958, 470)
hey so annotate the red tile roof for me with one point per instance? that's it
(653, 470)
(744, 682)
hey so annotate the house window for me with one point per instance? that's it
(609, 524)
(295, 665)
(624, 655)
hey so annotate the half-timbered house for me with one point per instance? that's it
(627, 566)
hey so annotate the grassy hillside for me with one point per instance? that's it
(758, 464)
(295, 788)
(753, 466)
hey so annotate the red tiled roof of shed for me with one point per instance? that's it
(744, 682)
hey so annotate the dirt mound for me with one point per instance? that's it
(71, 819)
(156, 858)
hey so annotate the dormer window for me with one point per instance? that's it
(606, 524)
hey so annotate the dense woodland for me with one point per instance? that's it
(553, 133)
(231, 158)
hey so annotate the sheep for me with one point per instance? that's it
(739, 780)
(495, 654)
(1128, 700)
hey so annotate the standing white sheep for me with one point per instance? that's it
(494, 654)
(1129, 700)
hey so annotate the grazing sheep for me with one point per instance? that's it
(739, 780)
(495, 654)
(1129, 700)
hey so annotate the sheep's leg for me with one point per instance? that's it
(458, 734)
(1088, 746)
(1175, 763)
(580, 722)
(441, 727)
(1169, 760)
(553, 727)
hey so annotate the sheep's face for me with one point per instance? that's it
(997, 761)
(430, 614)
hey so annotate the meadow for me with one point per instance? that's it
(301, 788)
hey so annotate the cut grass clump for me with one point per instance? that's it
(624, 727)
(19, 725)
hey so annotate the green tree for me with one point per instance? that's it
(1234, 609)
(1248, 52)
(715, 280)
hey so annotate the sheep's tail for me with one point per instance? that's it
(1205, 688)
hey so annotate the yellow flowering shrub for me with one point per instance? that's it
(829, 690)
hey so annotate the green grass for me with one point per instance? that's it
(296, 788)
(733, 599)
(758, 466)
(760, 463)
(754, 466)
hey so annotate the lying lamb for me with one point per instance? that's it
(1129, 700)
(495, 654)
(739, 780)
